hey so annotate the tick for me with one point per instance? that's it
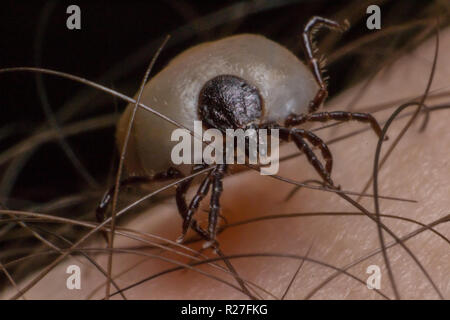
(239, 82)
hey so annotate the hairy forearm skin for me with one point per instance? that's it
(417, 169)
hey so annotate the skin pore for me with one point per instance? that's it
(417, 169)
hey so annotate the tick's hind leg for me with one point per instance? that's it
(297, 136)
(317, 142)
(314, 64)
(217, 189)
(171, 173)
(213, 178)
(295, 120)
(182, 188)
(193, 206)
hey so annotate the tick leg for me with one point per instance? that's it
(188, 212)
(195, 202)
(217, 188)
(171, 173)
(311, 137)
(317, 142)
(183, 208)
(294, 120)
(308, 46)
(310, 155)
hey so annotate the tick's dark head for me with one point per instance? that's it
(229, 102)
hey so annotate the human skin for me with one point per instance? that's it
(417, 169)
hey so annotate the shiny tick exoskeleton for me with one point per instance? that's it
(238, 82)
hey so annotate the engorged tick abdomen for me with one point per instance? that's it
(284, 83)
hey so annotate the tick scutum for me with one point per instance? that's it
(229, 102)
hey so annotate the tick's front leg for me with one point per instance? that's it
(314, 64)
